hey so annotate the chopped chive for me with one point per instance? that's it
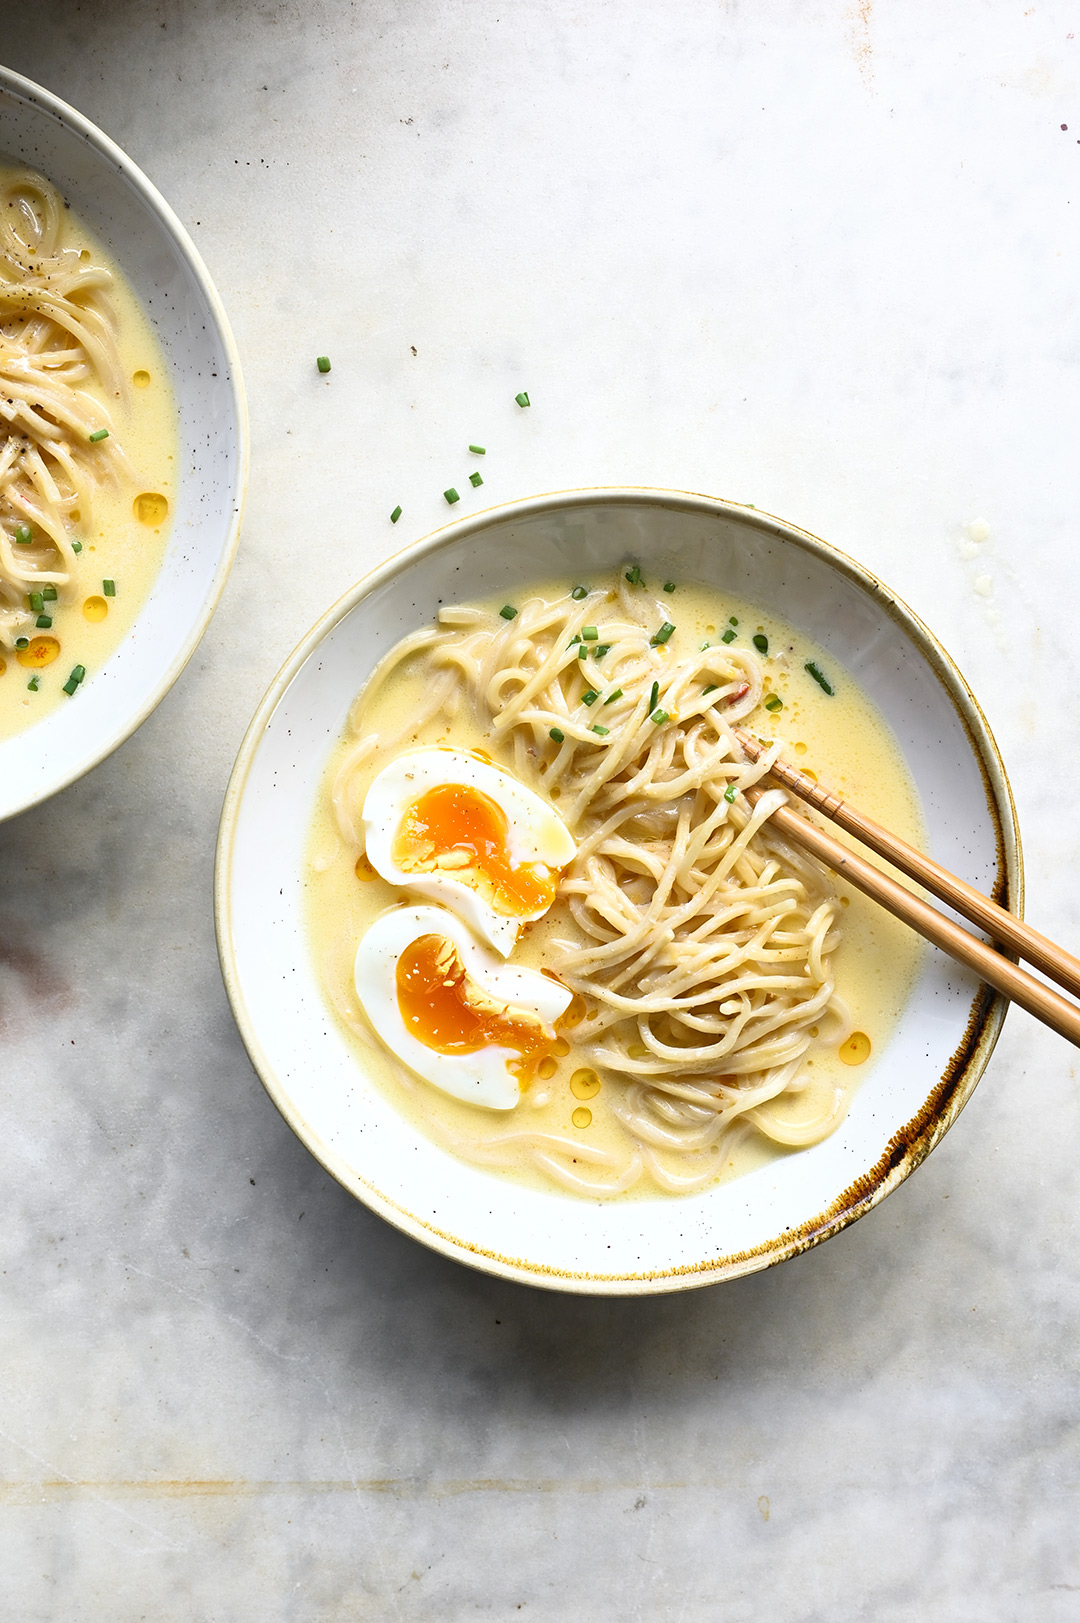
(44, 622)
(729, 635)
(522, 399)
(395, 515)
(712, 687)
(589, 633)
(603, 731)
(33, 684)
(557, 734)
(583, 652)
(669, 586)
(70, 686)
(653, 696)
(49, 593)
(109, 588)
(575, 638)
(774, 702)
(451, 496)
(36, 601)
(24, 535)
(730, 793)
(634, 575)
(477, 450)
(732, 621)
(662, 635)
(22, 642)
(76, 546)
(508, 611)
(761, 643)
(579, 592)
(613, 696)
(78, 672)
(590, 697)
(659, 716)
(703, 647)
(101, 434)
(601, 649)
(323, 362)
(475, 480)
(821, 680)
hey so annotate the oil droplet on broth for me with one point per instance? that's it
(856, 1049)
(575, 1014)
(141, 379)
(581, 1117)
(560, 1048)
(546, 1069)
(151, 507)
(363, 869)
(585, 1085)
(95, 608)
(41, 652)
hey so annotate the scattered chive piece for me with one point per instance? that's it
(653, 696)
(477, 450)
(732, 621)
(589, 633)
(36, 601)
(761, 643)
(522, 399)
(613, 696)
(33, 684)
(78, 672)
(323, 362)
(70, 686)
(729, 793)
(557, 734)
(508, 611)
(44, 622)
(590, 697)
(822, 681)
(395, 515)
(49, 593)
(22, 642)
(634, 575)
(475, 480)
(669, 586)
(712, 687)
(23, 535)
(662, 635)
(601, 649)
(76, 546)
(583, 652)
(100, 434)
(109, 588)
(451, 496)
(729, 635)
(579, 592)
(659, 716)
(774, 702)
(603, 731)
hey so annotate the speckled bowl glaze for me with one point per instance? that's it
(919, 1083)
(160, 261)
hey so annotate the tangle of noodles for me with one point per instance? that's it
(698, 940)
(57, 333)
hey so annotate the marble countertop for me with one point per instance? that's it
(821, 258)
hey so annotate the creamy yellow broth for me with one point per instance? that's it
(124, 539)
(843, 739)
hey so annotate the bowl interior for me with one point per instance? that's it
(153, 251)
(919, 1082)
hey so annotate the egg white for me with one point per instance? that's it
(480, 1078)
(535, 833)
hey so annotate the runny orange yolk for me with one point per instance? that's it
(446, 1011)
(457, 829)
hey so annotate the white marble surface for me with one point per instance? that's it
(819, 257)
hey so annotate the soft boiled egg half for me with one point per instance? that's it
(453, 828)
(450, 1009)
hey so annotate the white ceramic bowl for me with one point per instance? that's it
(157, 256)
(919, 1083)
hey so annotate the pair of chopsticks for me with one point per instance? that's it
(1010, 932)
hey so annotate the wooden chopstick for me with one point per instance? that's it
(1041, 1001)
(1005, 927)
